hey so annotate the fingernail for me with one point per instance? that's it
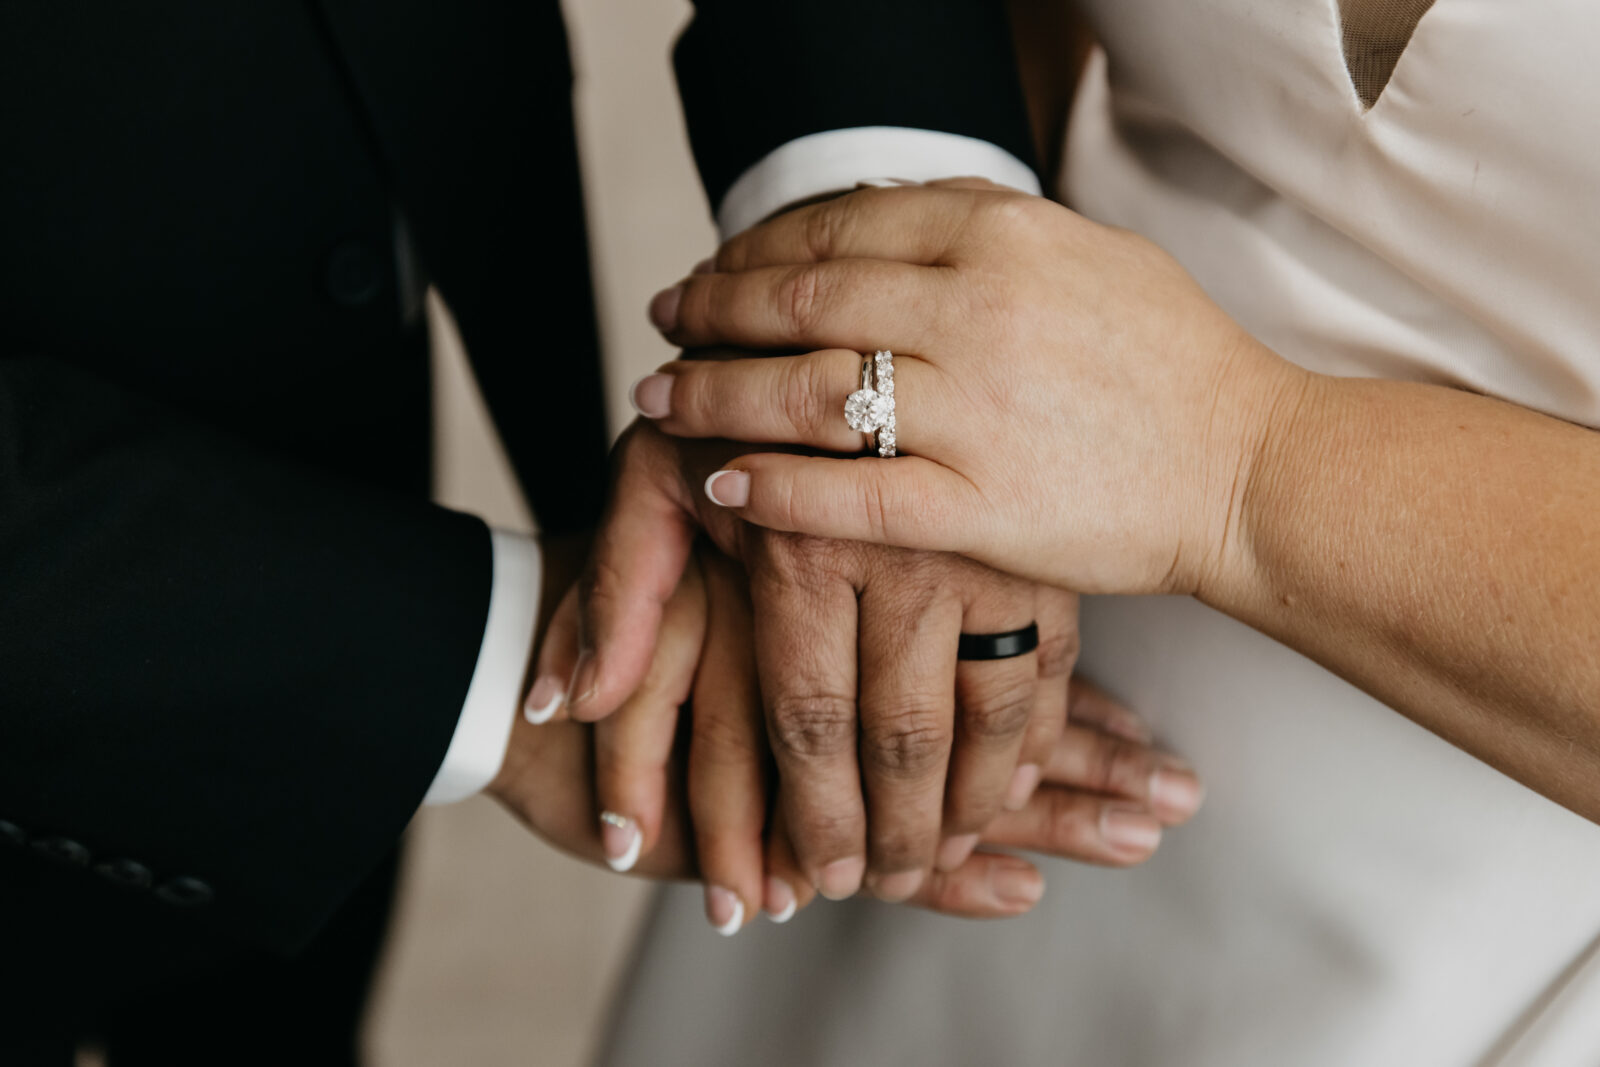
(898, 886)
(724, 909)
(1024, 780)
(664, 308)
(651, 396)
(544, 700)
(781, 901)
(585, 680)
(841, 879)
(621, 839)
(705, 266)
(884, 183)
(1130, 831)
(1173, 794)
(1015, 884)
(955, 850)
(731, 489)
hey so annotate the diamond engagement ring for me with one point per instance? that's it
(870, 409)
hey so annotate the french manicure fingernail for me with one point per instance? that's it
(724, 909)
(955, 850)
(781, 901)
(731, 489)
(1015, 884)
(1174, 794)
(1130, 831)
(620, 837)
(1024, 780)
(585, 680)
(841, 879)
(898, 886)
(651, 396)
(664, 308)
(705, 266)
(544, 700)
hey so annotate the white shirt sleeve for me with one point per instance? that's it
(835, 160)
(484, 730)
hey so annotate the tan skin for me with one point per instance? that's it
(711, 795)
(1086, 416)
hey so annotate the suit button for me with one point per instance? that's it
(125, 872)
(11, 833)
(63, 849)
(185, 892)
(353, 274)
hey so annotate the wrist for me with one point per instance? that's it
(1266, 421)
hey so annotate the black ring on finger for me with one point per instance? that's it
(999, 646)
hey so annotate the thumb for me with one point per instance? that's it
(638, 557)
(908, 501)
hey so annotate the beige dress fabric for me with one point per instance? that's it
(1356, 893)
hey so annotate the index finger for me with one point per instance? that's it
(915, 224)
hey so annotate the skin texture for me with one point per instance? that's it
(867, 711)
(1105, 795)
(1077, 411)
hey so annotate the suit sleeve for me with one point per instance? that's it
(755, 77)
(225, 682)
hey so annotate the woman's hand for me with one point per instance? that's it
(1070, 405)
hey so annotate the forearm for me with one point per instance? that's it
(1439, 550)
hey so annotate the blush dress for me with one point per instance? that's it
(1371, 193)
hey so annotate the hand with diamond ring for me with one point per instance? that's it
(939, 742)
(1073, 408)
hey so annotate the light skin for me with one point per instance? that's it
(707, 795)
(1074, 409)
(930, 796)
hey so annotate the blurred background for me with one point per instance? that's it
(504, 950)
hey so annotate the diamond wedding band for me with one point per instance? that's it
(870, 409)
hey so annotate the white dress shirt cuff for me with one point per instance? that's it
(484, 730)
(834, 160)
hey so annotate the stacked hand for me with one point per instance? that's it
(832, 739)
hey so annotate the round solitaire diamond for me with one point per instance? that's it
(867, 410)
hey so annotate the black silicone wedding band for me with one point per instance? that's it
(999, 646)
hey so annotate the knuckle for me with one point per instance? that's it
(905, 744)
(804, 559)
(823, 228)
(1116, 766)
(800, 299)
(803, 396)
(722, 738)
(1015, 214)
(1068, 824)
(1000, 712)
(818, 832)
(897, 849)
(1058, 654)
(813, 726)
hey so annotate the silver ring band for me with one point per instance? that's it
(870, 409)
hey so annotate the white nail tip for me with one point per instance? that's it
(732, 926)
(786, 914)
(624, 863)
(540, 716)
(712, 480)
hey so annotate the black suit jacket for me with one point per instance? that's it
(234, 636)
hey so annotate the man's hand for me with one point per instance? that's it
(935, 773)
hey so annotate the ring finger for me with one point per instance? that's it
(798, 400)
